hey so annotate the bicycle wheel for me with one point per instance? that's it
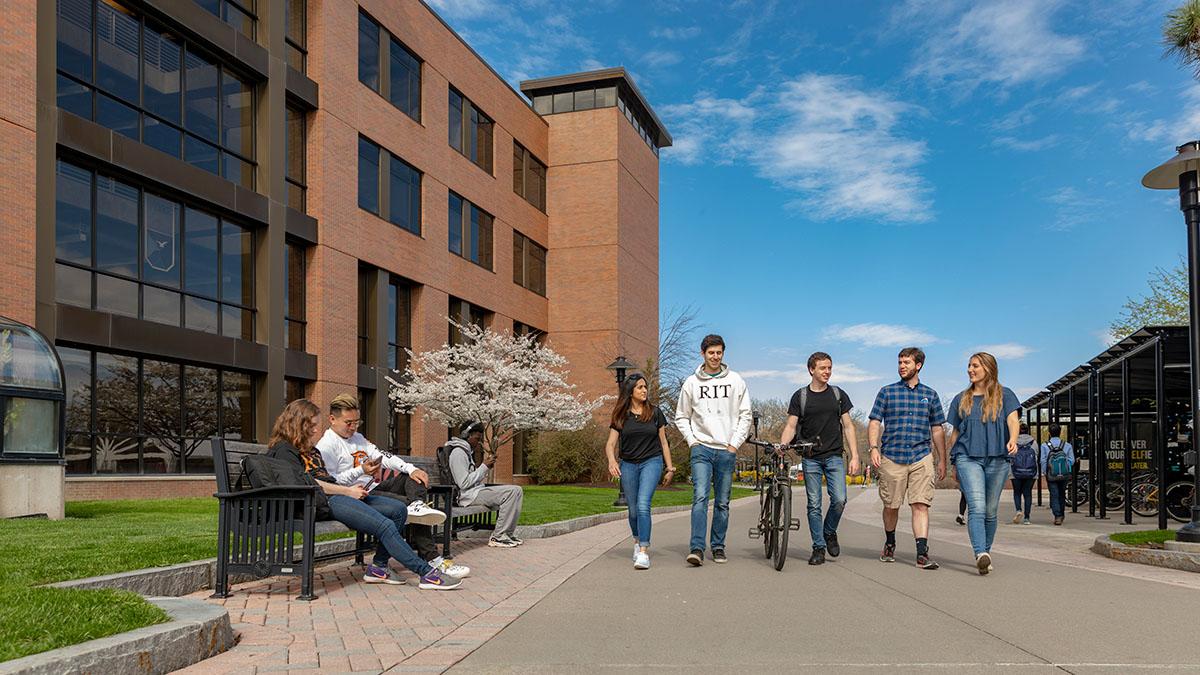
(1145, 499)
(1180, 498)
(783, 523)
(1077, 497)
(1115, 500)
(767, 519)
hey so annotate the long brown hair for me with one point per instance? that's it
(625, 402)
(993, 395)
(295, 424)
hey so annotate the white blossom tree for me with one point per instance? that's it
(509, 382)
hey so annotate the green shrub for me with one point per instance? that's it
(569, 456)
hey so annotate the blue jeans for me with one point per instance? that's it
(383, 518)
(834, 471)
(1023, 491)
(981, 480)
(710, 466)
(1058, 497)
(638, 482)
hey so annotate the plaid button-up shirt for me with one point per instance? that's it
(907, 415)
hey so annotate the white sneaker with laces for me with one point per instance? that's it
(641, 562)
(419, 513)
(447, 567)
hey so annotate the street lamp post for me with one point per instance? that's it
(1182, 172)
(619, 367)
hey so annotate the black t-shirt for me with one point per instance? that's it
(309, 462)
(822, 417)
(639, 440)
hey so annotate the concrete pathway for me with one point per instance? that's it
(574, 604)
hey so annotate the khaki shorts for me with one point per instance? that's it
(916, 478)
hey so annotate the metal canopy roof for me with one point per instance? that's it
(1112, 356)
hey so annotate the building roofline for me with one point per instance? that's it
(482, 60)
(618, 73)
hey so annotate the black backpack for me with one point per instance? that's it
(262, 471)
(443, 463)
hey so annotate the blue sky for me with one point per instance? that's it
(857, 177)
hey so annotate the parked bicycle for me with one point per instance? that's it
(1178, 499)
(775, 519)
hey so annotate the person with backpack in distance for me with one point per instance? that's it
(470, 481)
(353, 460)
(293, 440)
(713, 415)
(984, 417)
(1057, 461)
(638, 430)
(1024, 473)
(822, 411)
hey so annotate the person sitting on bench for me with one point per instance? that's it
(469, 478)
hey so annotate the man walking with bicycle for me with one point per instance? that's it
(911, 415)
(822, 411)
(713, 415)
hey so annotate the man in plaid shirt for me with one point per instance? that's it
(912, 417)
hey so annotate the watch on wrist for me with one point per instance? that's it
(873, 448)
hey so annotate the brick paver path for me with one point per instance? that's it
(356, 627)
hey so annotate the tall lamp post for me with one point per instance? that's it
(1182, 172)
(619, 367)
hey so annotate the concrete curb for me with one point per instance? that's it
(1178, 560)
(197, 630)
(181, 579)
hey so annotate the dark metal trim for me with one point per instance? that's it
(299, 365)
(214, 34)
(302, 90)
(301, 226)
(366, 377)
(530, 87)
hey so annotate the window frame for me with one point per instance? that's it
(300, 183)
(529, 164)
(385, 159)
(469, 132)
(468, 242)
(384, 43)
(294, 250)
(521, 268)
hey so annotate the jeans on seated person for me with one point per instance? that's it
(382, 518)
(402, 487)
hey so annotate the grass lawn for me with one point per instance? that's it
(1143, 537)
(105, 537)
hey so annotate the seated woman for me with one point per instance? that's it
(293, 440)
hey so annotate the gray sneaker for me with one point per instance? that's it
(381, 575)
(502, 541)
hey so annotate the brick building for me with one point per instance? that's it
(215, 206)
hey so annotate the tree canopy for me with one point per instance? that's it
(1166, 303)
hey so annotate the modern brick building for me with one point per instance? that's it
(215, 206)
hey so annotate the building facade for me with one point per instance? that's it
(213, 207)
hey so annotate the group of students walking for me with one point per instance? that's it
(907, 443)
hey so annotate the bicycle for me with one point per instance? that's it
(1180, 498)
(775, 519)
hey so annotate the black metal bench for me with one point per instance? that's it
(257, 526)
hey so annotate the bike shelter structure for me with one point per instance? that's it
(1128, 413)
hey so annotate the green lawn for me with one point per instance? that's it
(1143, 537)
(118, 536)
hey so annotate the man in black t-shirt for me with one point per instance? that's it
(823, 410)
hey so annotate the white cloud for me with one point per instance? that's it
(1033, 145)
(880, 335)
(464, 9)
(1172, 131)
(657, 58)
(840, 147)
(1104, 337)
(848, 373)
(1073, 208)
(680, 33)
(1008, 351)
(1003, 43)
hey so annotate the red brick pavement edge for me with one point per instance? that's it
(353, 626)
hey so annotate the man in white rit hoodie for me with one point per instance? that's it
(714, 417)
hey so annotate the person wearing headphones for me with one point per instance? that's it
(471, 489)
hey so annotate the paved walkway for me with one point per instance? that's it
(1049, 605)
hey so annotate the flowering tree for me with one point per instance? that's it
(509, 382)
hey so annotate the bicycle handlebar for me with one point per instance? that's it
(799, 447)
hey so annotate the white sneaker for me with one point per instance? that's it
(420, 514)
(983, 562)
(641, 562)
(636, 550)
(448, 568)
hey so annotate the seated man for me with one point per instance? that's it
(353, 460)
(469, 478)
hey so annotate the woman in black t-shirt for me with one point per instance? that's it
(639, 430)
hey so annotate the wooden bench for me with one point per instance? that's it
(257, 526)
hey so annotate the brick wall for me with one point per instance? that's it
(139, 487)
(18, 187)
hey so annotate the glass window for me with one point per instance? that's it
(162, 56)
(237, 406)
(237, 113)
(295, 15)
(75, 98)
(74, 29)
(237, 260)
(200, 253)
(481, 140)
(293, 389)
(456, 121)
(404, 196)
(162, 137)
(160, 306)
(543, 105)
(116, 394)
(564, 102)
(30, 426)
(399, 323)
(160, 258)
(456, 224)
(201, 154)
(399, 433)
(368, 51)
(529, 177)
(585, 99)
(116, 226)
(368, 175)
(200, 314)
(518, 169)
(118, 32)
(405, 81)
(481, 237)
(72, 286)
(296, 157)
(201, 392)
(606, 97)
(116, 296)
(294, 296)
(73, 214)
(201, 97)
(112, 114)
(365, 328)
(161, 403)
(77, 371)
(529, 264)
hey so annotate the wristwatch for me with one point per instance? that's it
(873, 448)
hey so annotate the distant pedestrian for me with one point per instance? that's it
(822, 411)
(984, 417)
(1056, 480)
(713, 414)
(911, 417)
(1024, 473)
(637, 451)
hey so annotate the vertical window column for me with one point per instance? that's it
(297, 158)
(295, 295)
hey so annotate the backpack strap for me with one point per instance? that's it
(803, 401)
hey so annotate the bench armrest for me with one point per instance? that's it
(284, 491)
